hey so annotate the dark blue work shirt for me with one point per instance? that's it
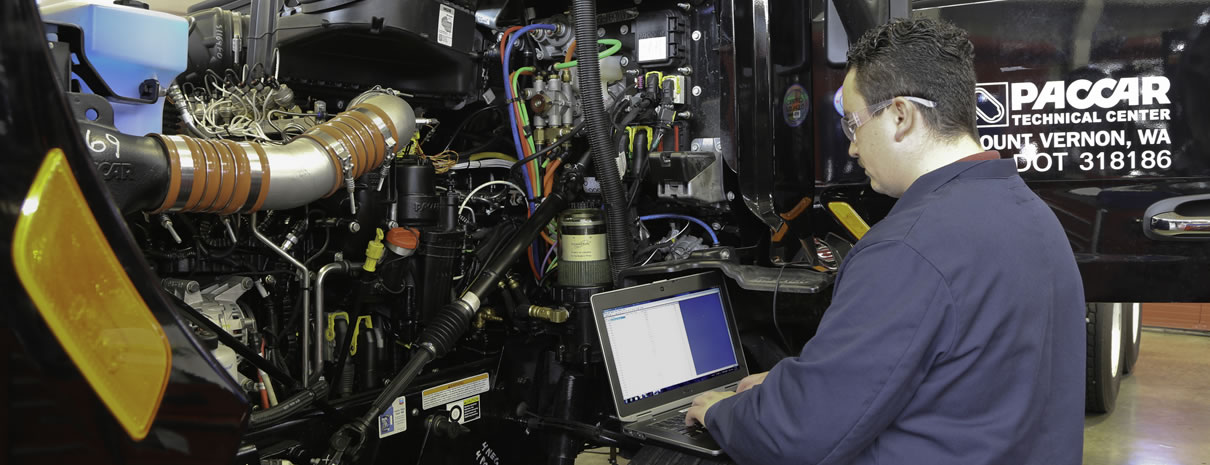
(956, 335)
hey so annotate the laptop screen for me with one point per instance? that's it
(661, 345)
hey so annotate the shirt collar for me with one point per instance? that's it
(980, 165)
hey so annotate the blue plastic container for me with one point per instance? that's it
(127, 46)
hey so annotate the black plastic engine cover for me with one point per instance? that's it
(422, 47)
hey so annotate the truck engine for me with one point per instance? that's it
(384, 220)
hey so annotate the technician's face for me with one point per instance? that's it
(871, 144)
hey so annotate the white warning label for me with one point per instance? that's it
(445, 26)
(449, 392)
(653, 49)
(1104, 125)
(394, 420)
(464, 411)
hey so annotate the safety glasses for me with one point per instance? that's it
(852, 121)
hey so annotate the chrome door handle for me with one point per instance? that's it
(1175, 224)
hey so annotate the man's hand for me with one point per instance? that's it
(751, 381)
(697, 413)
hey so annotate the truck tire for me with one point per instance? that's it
(1132, 336)
(1104, 357)
(655, 455)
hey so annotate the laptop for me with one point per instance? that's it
(664, 343)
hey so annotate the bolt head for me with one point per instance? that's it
(696, 146)
(624, 29)
(716, 226)
(730, 196)
(354, 227)
(600, 32)
(697, 90)
(624, 61)
(697, 35)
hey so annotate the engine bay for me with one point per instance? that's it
(385, 220)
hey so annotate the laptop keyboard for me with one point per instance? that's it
(676, 424)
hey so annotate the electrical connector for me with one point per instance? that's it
(374, 251)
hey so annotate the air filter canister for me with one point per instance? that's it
(583, 260)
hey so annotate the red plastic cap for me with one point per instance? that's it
(404, 238)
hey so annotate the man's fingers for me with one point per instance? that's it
(694, 415)
(750, 381)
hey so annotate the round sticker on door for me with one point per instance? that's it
(794, 106)
(838, 101)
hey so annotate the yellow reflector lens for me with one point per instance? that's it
(87, 300)
(849, 218)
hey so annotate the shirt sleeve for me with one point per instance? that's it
(886, 326)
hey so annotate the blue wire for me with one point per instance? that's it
(508, 98)
(713, 237)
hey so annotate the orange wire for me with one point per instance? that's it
(264, 393)
(571, 49)
(504, 41)
(548, 184)
(549, 181)
(530, 253)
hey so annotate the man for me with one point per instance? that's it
(956, 330)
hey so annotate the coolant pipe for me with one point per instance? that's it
(305, 279)
(618, 225)
(342, 266)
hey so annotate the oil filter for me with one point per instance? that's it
(583, 260)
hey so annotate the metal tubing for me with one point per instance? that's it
(223, 176)
(342, 266)
(305, 279)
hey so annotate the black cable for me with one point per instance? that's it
(424, 442)
(777, 285)
(323, 248)
(342, 348)
(465, 122)
(777, 327)
(294, 317)
(228, 340)
(387, 288)
(560, 141)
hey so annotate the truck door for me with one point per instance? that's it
(1103, 103)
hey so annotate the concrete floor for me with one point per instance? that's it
(1162, 415)
(1163, 410)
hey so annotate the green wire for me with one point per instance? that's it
(525, 123)
(614, 46)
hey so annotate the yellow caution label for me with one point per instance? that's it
(449, 392)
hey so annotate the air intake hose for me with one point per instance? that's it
(223, 176)
(618, 224)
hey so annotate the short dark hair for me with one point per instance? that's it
(922, 58)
